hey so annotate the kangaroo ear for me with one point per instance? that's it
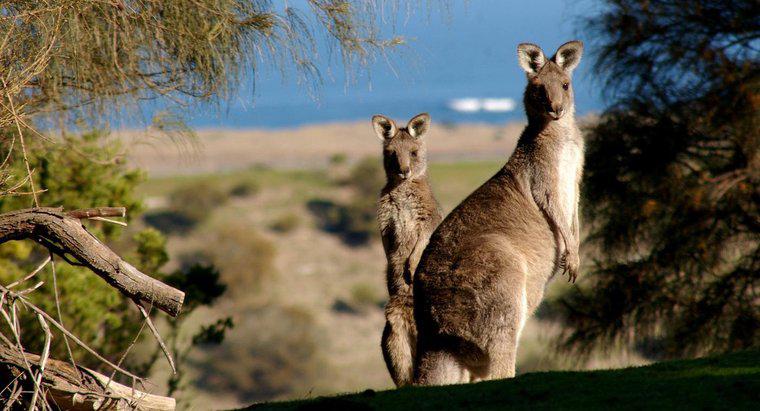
(531, 58)
(384, 127)
(569, 55)
(419, 125)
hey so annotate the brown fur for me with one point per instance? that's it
(407, 214)
(486, 265)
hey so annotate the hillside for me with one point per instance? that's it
(307, 300)
(729, 381)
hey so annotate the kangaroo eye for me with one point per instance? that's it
(566, 86)
(414, 153)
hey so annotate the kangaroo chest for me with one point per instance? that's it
(399, 216)
(569, 164)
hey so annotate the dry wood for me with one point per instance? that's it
(98, 212)
(78, 388)
(64, 234)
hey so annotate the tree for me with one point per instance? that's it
(80, 58)
(80, 63)
(671, 185)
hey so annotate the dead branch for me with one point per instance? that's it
(98, 212)
(63, 233)
(77, 388)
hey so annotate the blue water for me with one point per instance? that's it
(468, 50)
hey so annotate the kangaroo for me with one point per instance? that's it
(484, 270)
(407, 214)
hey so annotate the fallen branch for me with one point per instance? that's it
(77, 388)
(64, 234)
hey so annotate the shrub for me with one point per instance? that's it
(338, 159)
(365, 295)
(367, 177)
(272, 352)
(246, 188)
(194, 202)
(355, 220)
(286, 223)
(245, 258)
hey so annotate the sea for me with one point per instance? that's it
(458, 63)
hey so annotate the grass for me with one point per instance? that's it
(460, 179)
(452, 182)
(730, 381)
(302, 181)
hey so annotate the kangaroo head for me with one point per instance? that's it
(549, 93)
(404, 151)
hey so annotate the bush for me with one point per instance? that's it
(359, 220)
(272, 353)
(367, 177)
(79, 171)
(194, 202)
(356, 220)
(246, 188)
(365, 295)
(338, 159)
(286, 223)
(245, 258)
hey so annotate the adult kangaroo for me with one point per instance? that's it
(484, 270)
(407, 214)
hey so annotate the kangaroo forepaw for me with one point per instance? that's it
(570, 264)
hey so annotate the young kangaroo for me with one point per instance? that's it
(485, 268)
(407, 214)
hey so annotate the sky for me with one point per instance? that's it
(455, 57)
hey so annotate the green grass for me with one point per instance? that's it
(303, 182)
(730, 381)
(452, 182)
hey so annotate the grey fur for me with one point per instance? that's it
(407, 214)
(485, 268)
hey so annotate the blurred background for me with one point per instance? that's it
(251, 181)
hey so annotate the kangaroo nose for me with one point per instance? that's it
(405, 172)
(557, 111)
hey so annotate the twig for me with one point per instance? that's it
(64, 331)
(43, 361)
(30, 275)
(15, 393)
(11, 382)
(23, 146)
(13, 324)
(124, 355)
(108, 220)
(30, 289)
(58, 309)
(158, 337)
(80, 342)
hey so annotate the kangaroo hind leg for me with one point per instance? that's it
(399, 341)
(441, 367)
(502, 351)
